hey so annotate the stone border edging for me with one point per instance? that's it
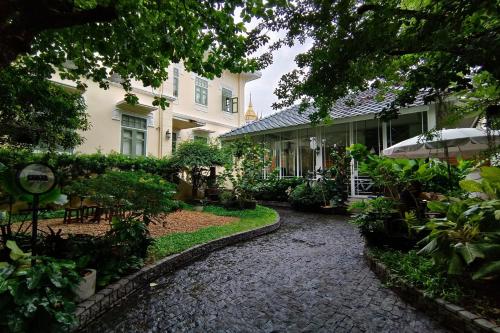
(450, 315)
(105, 299)
(270, 203)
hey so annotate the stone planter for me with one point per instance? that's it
(198, 208)
(86, 288)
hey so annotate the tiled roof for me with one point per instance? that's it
(359, 104)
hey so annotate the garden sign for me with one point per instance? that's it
(35, 179)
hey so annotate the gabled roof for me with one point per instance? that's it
(354, 105)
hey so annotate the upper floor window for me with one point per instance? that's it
(201, 91)
(176, 82)
(227, 102)
(133, 135)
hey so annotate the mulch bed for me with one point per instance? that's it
(180, 221)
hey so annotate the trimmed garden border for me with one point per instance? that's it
(448, 314)
(115, 293)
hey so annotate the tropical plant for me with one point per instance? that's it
(337, 176)
(244, 167)
(36, 297)
(118, 252)
(196, 157)
(467, 240)
(375, 218)
(405, 179)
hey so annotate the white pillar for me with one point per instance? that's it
(297, 154)
(431, 117)
(384, 135)
(352, 141)
(319, 153)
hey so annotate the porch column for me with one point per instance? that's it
(319, 153)
(384, 136)
(353, 171)
(297, 153)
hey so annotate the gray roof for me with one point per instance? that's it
(354, 105)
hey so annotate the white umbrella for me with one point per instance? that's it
(445, 143)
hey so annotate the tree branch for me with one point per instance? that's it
(28, 21)
(67, 20)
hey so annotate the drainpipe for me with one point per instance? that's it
(160, 127)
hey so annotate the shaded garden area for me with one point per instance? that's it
(107, 217)
(435, 228)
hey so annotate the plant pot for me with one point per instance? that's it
(86, 287)
(198, 208)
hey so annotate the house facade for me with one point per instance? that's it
(298, 149)
(199, 108)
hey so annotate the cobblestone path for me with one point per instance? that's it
(309, 276)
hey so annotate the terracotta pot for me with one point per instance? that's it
(86, 287)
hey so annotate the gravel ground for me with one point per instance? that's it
(309, 276)
(180, 221)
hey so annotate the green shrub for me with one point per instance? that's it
(121, 250)
(37, 298)
(136, 192)
(196, 157)
(74, 166)
(467, 240)
(275, 189)
(377, 219)
(244, 167)
(306, 197)
(419, 272)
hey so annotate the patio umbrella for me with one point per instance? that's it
(445, 143)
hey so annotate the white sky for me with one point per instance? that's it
(263, 89)
(283, 62)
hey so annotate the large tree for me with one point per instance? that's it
(439, 45)
(134, 40)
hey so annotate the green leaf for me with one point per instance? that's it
(487, 270)
(491, 174)
(438, 206)
(471, 186)
(15, 252)
(469, 252)
(455, 266)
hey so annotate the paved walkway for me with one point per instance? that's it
(309, 276)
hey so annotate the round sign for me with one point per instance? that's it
(36, 178)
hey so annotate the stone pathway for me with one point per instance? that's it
(309, 276)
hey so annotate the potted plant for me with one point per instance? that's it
(86, 287)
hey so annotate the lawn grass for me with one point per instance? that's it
(178, 242)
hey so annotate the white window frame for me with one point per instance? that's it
(145, 131)
(175, 82)
(200, 87)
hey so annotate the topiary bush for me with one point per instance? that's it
(135, 192)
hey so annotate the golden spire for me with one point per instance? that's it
(250, 115)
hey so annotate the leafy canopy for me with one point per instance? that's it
(94, 39)
(408, 44)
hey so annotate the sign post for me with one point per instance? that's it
(35, 179)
